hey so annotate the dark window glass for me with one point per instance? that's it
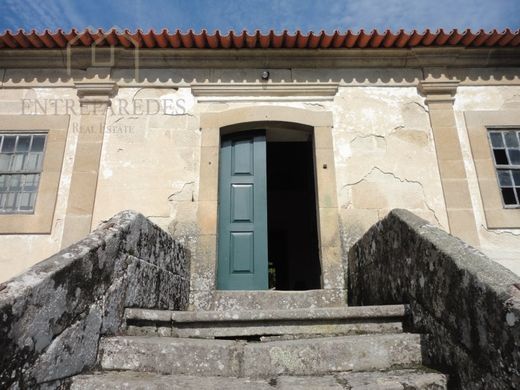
(511, 139)
(505, 145)
(500, 157)
(514, 156)
(509, 196)
(516, 177)
(23, 143)
(496, 140)
(504, 178)
(38, 143)
(8, 145)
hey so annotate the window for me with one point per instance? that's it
(506, 154)
(21, 162)
(36, 165)
(481, 126)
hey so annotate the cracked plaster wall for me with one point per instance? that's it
(382, 144)
(383, 147)
(384, 151)
(150, 163)
(502, 245)
(385, 158)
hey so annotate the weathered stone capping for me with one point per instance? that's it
(52, 316)
(468, 305)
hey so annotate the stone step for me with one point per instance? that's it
(383, 380)
(315, 356)
(275, 300)
(248, 323)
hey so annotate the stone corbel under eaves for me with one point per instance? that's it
(439, 91)
(95, 92)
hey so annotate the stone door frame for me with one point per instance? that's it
(204, 261)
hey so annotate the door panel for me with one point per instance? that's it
(242, 252)
(242, 235)
(242, 203)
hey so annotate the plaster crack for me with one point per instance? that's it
(500, 232)
(400, 179)
(122, 118)
(368, 136)
(189, 183)
(425, 109)
(315, 105)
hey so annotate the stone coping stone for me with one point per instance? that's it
(333, 313)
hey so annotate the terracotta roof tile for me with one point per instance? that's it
(245, 40)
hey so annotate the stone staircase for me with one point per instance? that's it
(303, 348)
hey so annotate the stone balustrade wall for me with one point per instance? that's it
(466, 305)
(52, 316)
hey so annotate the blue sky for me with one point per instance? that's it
(268, 14)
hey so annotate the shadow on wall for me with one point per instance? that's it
(467, 306)
(52, 316)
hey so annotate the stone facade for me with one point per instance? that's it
(467, 306)
(385, 150)
(53, 315)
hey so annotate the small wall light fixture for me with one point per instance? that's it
(265, 75)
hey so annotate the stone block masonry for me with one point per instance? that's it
(52, 316)
(467, 306)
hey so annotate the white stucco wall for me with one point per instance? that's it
(383, 145)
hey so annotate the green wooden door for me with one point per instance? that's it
(242, 213)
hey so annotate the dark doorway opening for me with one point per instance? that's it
(292, 227)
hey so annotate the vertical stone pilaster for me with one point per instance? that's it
(94, 100)
(439, 98)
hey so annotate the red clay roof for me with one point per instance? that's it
(269, 40)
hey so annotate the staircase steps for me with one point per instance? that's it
(316, 347)
(265, 323)
(230, 358)
(410, 379)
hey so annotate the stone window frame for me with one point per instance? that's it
(24, 173)
(56, 129)
(211, 124)
(478, 124)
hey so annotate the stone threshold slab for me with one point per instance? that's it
(332, 313)
(277, 300)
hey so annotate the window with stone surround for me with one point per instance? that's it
(21, 161)
(505, 144)
(32, 151)
(495, 170)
